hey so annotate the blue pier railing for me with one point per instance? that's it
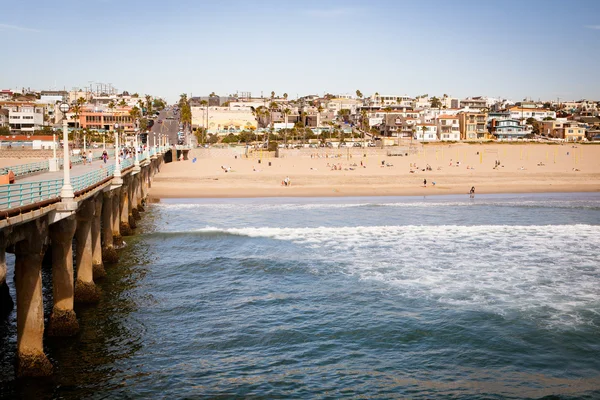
(21, 194)
(26, 169)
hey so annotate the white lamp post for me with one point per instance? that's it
(67, 190)
(117, 175)
(53, 163)
(136, 162)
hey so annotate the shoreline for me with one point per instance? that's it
(491, 169)
(357, 192)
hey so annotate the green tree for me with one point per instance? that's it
(148, 104)
(436, 103)
(4, 130)
(159, 104)
(285, 96)
(122, 103)
(344, 114)
(135, 113)
(359, 94)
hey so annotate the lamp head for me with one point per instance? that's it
(64, 107)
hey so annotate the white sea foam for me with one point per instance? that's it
(256, 207)
(549, 273)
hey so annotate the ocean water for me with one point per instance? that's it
(439, 297)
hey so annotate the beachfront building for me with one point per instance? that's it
(510, 129)
(523, 113)
(224, 120)
(473, 125)
(552, 128)
(572, 131)
(425, 132)
(492, 120)
(448, 128)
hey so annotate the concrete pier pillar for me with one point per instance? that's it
(135, 182)
(85, 288)
(97, 264)
(149, 175)
(31, 360)
(116, 217)
(143, 189)
(6, 302)
(63, 321)
(109, 254)
(124, 225)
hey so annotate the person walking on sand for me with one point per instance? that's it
(425, 182)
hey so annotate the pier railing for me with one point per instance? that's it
(26, 169)
(21, 194)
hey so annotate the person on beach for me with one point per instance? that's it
(425, 182)
(472, 192)
(90, 157)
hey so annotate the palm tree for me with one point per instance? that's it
(122, 103)
(319, 111)
(76, 110)
(424, 129)
(135, 113)
(286, 112)
(359, 94)
(285, 96)
(148, 104)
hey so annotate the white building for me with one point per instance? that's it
(223, 120)
(448, 128)
(25, 117)
(425, 132)
(538, 114)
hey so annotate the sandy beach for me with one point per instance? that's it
(523, 168)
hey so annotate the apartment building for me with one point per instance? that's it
(388, 100)
(552, 128)
(24, 117)
(448, 128)
(425, 132)
(224, 120)
(104, 120)
(473, 125)
(572, 131)
(510, 129)
(474, 102)
(536, 113)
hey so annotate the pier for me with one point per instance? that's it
(76, 222)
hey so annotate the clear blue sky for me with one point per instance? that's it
(514, 49)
